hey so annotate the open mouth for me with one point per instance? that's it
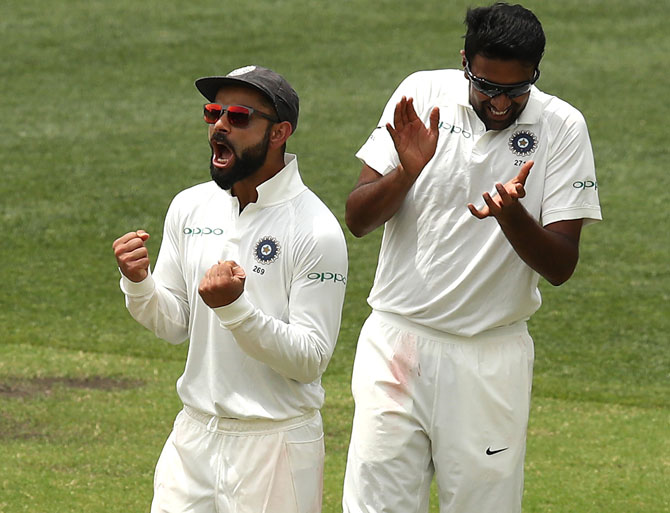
(223, 154)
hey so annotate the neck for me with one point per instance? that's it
(246, 191)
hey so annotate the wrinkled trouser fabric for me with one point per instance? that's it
(430, 404)
(211, 464)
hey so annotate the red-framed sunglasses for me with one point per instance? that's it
(238, 115)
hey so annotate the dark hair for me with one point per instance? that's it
(503, 31)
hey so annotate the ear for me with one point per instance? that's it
(463, 59)
(280, 133)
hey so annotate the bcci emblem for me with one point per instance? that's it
(523, 143)
(267, 250)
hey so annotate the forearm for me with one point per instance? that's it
(155, 309)
(293, 350)
(373, 203)
(551, 251)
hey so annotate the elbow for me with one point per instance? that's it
(557, 281)
(356, 229)
(308, 376)
(353, 221)
(312, 370)
(171, 336)
(562, 256)
(306, 379)
(559, 277)
(356, 223)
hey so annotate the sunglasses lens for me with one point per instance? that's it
(492, 91)
(518, 91)
(238, 116)
(212, 112)
(485, 88)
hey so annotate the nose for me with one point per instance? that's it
(222, 124)
(501, 102)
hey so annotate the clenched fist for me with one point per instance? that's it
(132, 255)
(222, 284)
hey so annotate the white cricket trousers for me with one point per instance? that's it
(430, 404)
(210, 464)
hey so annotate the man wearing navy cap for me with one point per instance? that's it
(252, 270)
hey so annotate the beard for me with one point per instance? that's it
(246, 164)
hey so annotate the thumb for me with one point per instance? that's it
(142, 235)
(238, 272)
(392, 132)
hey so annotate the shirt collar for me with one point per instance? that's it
(533, 111)
(283, 186)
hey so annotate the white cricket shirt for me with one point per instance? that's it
(262, 356)
(441, 267)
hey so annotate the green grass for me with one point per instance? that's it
(101, 127)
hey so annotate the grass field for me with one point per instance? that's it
(100, 126)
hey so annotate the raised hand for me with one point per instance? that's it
(132, 255)
(222, 284)
(414, 142)
(507, 198)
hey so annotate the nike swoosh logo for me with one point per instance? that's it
(489, 452)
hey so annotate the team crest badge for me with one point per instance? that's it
(523, 143)
(267, 250)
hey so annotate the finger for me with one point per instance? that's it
(406, 107)
(128, 247)
(520, 190)
(398, 113)
(136, 254)
(434, 119)
(226, 269)
(134, 243)
(505, 198)
(493, 206)
(129, 242)
(410, 113)
(524, 172)
(124, 238)
(141, 263)
(479, 214)
(133, 264)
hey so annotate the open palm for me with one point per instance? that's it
(414, 142)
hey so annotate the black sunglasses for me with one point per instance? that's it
(238, 115)
(491, 89)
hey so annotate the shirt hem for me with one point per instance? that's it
(400, 322)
